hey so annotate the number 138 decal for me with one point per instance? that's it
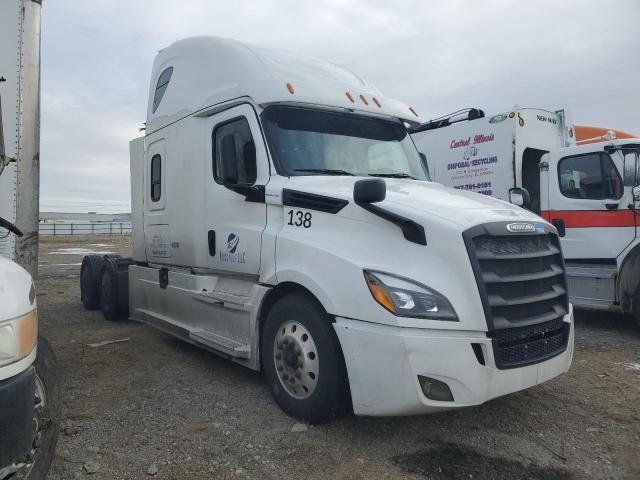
(299, 218)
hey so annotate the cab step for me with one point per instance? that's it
(217, 342)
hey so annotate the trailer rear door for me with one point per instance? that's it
(10, 25)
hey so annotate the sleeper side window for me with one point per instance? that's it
(234, 153)
(161, 87)
(592, 177)
(156, 178)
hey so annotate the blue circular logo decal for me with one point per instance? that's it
(232, 243)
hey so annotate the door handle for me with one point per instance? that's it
(559, 224)
(611, 206)
(211, 240)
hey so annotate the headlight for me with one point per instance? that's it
(18, 337)
(405, 298)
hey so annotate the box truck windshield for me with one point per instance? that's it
(307, 141)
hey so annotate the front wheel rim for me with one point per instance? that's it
(296, 359)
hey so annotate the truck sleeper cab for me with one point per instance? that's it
(283, 218)
(584, 188)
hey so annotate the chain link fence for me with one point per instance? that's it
(102, 228)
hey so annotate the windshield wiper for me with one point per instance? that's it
(392, 175)
(326, 171)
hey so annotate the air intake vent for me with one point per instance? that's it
(311, 201)
(521, 280)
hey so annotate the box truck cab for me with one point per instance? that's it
(586, 188)
(283, 218)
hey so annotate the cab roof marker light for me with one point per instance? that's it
(364, 100)
(350, 97)
(375, 100)
(290, 88)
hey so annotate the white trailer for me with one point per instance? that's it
(20, 93)
(587, 189)
(29, 390)
(283, 218)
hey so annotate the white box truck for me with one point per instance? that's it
(583, 180)
(283, 218)
(30, 396)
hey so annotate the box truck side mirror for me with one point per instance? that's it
(519, 197)
(4, 160)
(425, 165)
(229, 160)
(630, 169)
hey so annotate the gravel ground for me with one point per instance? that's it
(155, 407)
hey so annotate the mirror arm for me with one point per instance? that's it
(10, 226)
(252, 193)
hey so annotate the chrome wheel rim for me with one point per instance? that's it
(296, 359)
(41, 393)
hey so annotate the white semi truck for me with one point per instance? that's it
(581, 179)
(283, 218)
(30, 396)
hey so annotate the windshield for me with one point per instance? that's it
(306, 141)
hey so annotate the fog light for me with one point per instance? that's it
(435, 389)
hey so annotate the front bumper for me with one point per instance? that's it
(16, 417)
(383, 364)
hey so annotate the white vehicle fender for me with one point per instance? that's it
(306, 281)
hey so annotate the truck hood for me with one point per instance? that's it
(356, 239)
(419, 199)
(15, 287)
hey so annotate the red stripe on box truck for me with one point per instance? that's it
(591, 218)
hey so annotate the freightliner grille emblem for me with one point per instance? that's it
(521, 227)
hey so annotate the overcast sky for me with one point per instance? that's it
(438, 56)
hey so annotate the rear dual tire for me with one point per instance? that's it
(99, 287)
(89, 282)
(109, 302)
(302, 360)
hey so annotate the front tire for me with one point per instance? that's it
(635, 307)
(302, 360)
(47, 410)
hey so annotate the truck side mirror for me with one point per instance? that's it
(425, 165)
(519, 197)
(228, 160)
(630, 172)
(370, 190)
(636, 193)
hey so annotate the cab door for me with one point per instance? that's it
(235, 207)
(589, 205)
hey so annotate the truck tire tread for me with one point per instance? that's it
(90, 281)
(109, 305)
(330, 398)
(49, 418)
